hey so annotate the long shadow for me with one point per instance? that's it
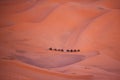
(51, 61)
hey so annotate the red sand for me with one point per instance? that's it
(28, 28)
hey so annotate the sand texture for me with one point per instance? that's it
(33, 33)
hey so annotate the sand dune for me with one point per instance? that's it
(28, 28)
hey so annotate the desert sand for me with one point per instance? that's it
(28, 28)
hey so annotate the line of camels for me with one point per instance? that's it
(62, 50)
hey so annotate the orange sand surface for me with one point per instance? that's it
(28, 28)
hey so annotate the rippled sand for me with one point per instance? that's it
(28, 28)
